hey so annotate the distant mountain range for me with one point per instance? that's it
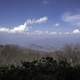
(39, 42)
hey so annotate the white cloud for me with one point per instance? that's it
(39, 32)
(76, 31)
(20, 28)
(57, 24)
(53, 33)
(4, 29)
(41, 20)
(68, 17)
(38, 21)
(25, 26)
(67, 33)
(72, 18)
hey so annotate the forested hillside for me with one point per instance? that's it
(13, 54)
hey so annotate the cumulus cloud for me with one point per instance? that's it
(29, 22)
(20, 28)
(25, 26)
(4, 29)
(76, 31)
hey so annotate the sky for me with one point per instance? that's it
(40, 16)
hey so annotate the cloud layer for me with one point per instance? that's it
(71, 18)
(24, 27)
(46, 32)
(74, 19)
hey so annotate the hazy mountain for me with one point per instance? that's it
(39, 42)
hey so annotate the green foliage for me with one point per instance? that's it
(59, 65)
(43, 69)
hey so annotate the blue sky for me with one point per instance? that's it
(59, 15)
